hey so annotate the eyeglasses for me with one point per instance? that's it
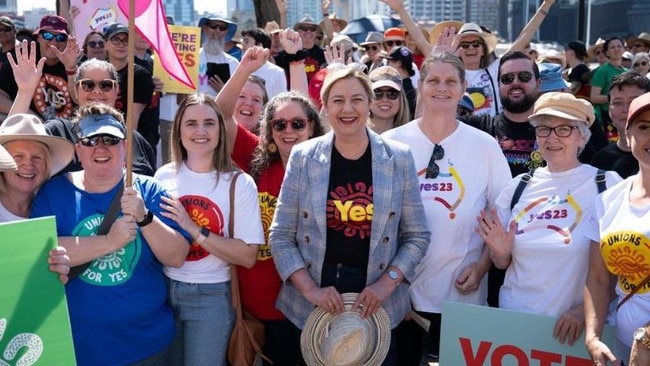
(307, 28)
(59, 37)
(372, 48)
(97, 44)
(560, 131)
(598, 52)
(433, 169)
(640, 45)
(120, 41)
(523, 76)
(395, 43)
(107, 140)
(641, 63)
(391, 94)
(280, 124)
(220, 26)
(5, 30)
(474, 44)
(88, 85)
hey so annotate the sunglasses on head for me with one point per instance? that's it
(390, 94)
(88, 85)
(280, 124)
(560, 131)
(307, 28)
(433, 169)
(474, 44)
(59, 37)
(641, 63)
(372, 48)
(96, 44)
(220, 26)
(523, 76)
(393, 43)
(107, 140)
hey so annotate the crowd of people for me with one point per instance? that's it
(410, 169)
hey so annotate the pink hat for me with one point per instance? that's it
(639, 105)
(54, 23)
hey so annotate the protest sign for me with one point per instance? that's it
(94, 15)
(187, 41)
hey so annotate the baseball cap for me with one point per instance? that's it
(54, 23)
(114, 29)
(392, 34)
(639, 105)
(403, 55)
(100, 124)
(385, 76)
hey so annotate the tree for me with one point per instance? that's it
(266, 11)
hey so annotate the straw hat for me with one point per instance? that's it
(6, 161)
(334, 19)
(437, 29)
(643, 38)
(29, 127)
(473, 29)
(272, 27)
(346, 339)
(599, 44)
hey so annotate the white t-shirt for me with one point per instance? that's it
(472, 173)
(623, 232)
(204, 58)
(483, 88)
(274, 77)
(6, 216)
(208, 204)
(550, 256)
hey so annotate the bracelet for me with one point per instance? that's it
(543, 11)
(71, 72)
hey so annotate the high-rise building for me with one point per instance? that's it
(437, 10)
(362, 8)
(8, 6)
(181, 10)
(298, 9)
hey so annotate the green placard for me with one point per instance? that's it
(34, 322)
(483, 336)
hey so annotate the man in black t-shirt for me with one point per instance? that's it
(312, 55)
(580, 75)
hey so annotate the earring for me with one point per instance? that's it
(272, 148)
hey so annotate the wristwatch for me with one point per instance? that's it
(393, 275)
(640, 335)
(148, 218)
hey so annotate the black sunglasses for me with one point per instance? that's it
(433, 169)
(280, 124)
(107, 140)
(509, 78)
(475, 44)
(220, 26)
(96, 44)
(59, 37)
(391, 43)
(641, 63)
(372, 48)
(89, 85)
(391, 94)
(307, 28)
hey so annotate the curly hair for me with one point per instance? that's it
(262, 157)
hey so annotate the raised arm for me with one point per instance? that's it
(529, 30)
(327, 23)
(282, 9)
(27, 74)
(292, 43)
(414, 30)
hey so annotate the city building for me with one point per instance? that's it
(181, 10)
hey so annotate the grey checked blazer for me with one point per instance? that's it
(399, 234)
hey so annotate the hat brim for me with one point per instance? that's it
(61, 149)
(557, 85)
(7, 162)
(489, 39)
(232, 27)
(632, 40)
(592, 49)
(316, 327)
(558, 113)
(437, 29)
(99, 129)
(388, 83)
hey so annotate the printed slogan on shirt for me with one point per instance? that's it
(351, 210)
(204, 213)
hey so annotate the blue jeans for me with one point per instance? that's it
(204, 320)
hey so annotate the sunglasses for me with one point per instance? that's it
(107, 140)
(560, 131)
(88, 85)
(120, 41)
(642, 63)
(393, 43)
(599, 52)
(96, 44)
(640, 45)
(280, 124)
(5, 30)
(433, 169)
(390, 94)
(59, 37)
(220, 26)
(474, 44)
(372, 48)
(307, 28)
(509, 78)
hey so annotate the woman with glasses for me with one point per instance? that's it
(349, 217)
(537, 229)
(389, 107)
(641, 63)
(287, 120)
(199, 178)
(93, 47)
(454, 186)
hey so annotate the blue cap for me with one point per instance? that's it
(100, 124)
(551, 79)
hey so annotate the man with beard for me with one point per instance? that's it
(215, 31)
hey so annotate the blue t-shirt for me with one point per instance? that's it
(118, 308)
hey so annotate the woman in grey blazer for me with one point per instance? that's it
(349, 216)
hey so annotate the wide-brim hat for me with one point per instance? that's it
(372, 38)
(639, 105)
(306, 20)
(333, 18)
(599, 44)
(564, 105)
(437, 29)
(473, 29)
(29, 127)
(643, 37)
(232, 27)
(272, 27)
(345, 339)
(7, 22)
(7, 162)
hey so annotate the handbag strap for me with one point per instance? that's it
(234, 281)
(634, 291)
(109, 218)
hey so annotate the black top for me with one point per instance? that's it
(142, 93)
(611, 157)
(150, 117)
(314, 61)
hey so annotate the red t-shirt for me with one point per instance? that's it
(260, 285)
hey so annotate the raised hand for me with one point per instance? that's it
(282, 6)
(394, 4)
(253, 59)
(335, 55)
(325, 5)
(69, 55)
(447, 42)
(26, 72)
(290, 41)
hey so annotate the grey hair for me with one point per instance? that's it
(584, 130)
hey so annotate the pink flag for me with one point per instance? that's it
(150, 21)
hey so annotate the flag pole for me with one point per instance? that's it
(129, 94)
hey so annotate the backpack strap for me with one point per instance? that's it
(601, 182)
(520, 188)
